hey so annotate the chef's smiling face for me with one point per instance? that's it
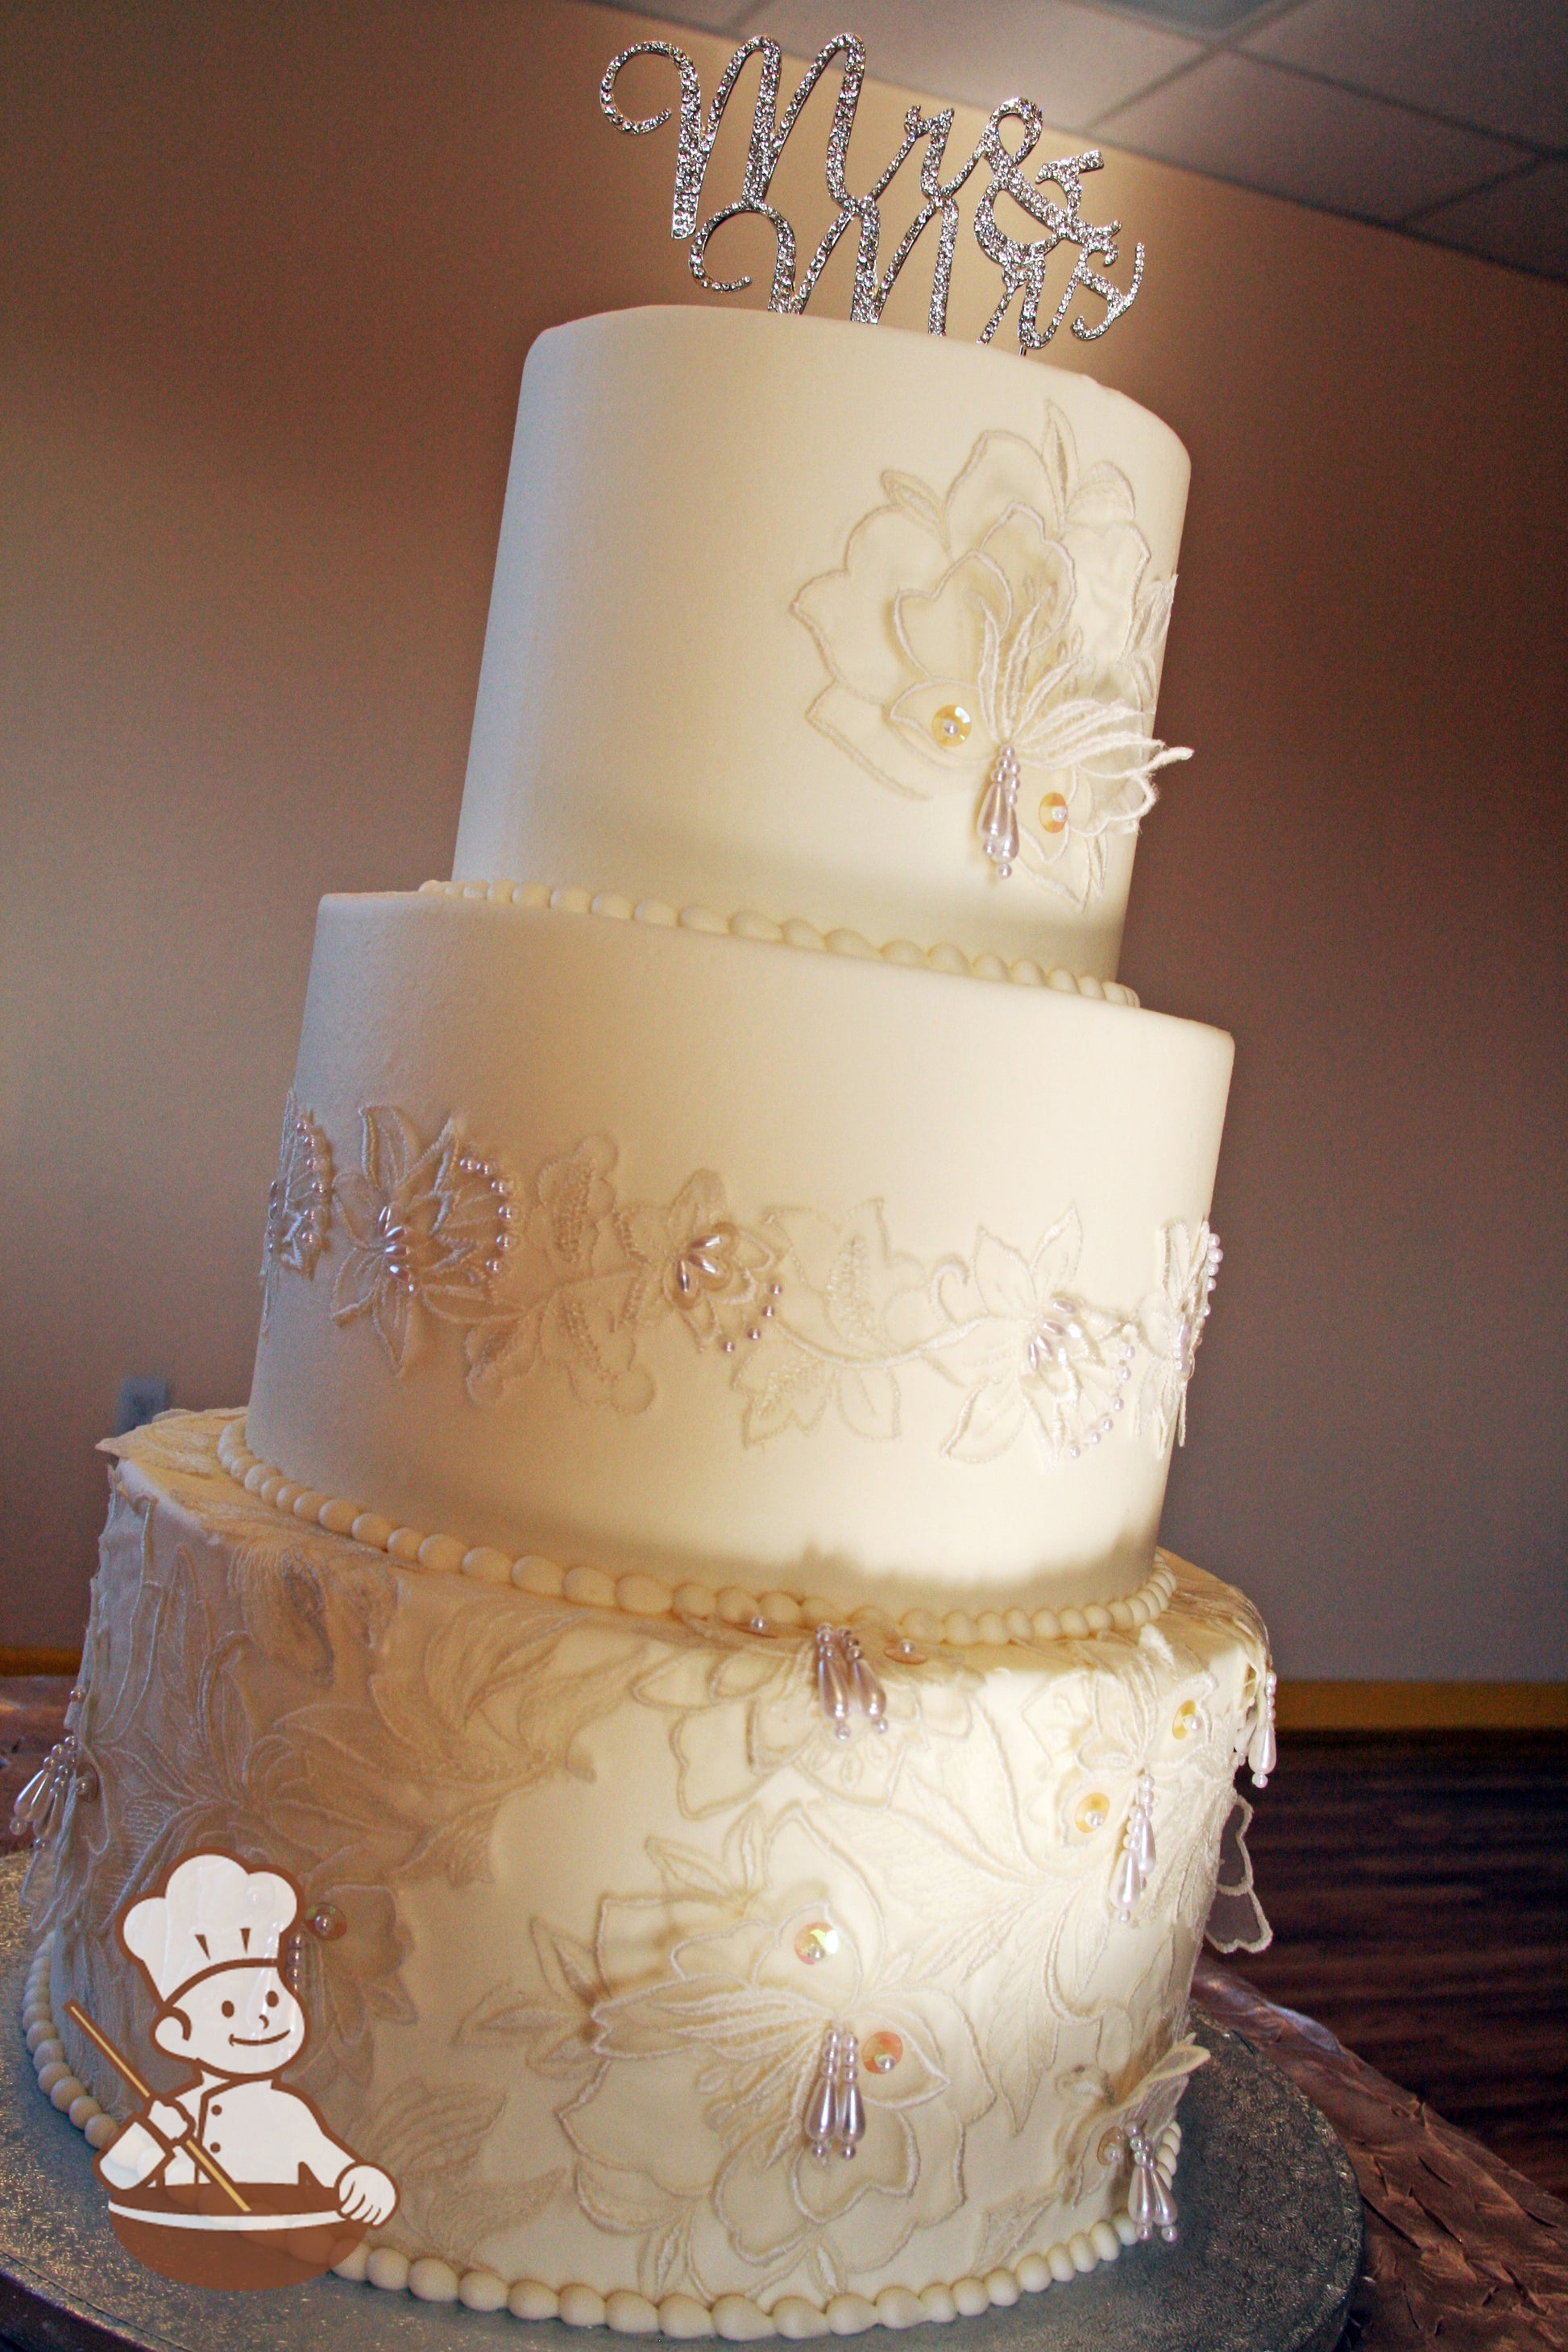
(242, 2021)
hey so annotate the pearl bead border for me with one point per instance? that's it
(735, 2317)
(796, 932)
(646, 1597)
(50, 2064)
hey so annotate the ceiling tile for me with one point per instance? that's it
(1211, 16)
(1291, 135)
(707, 16)
(1523, 221)
(1074, 62)
(1500, 64)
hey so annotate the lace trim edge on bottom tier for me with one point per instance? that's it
(430, 2279)
(638, 1595)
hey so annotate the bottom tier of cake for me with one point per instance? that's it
(678, 1978)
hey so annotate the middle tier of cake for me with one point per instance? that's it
(698, 1258)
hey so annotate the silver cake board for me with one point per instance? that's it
(1270, 2249)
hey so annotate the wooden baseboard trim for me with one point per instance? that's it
(39, 1661)
(1423, 1706)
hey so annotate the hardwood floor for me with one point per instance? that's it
(1417, 1888)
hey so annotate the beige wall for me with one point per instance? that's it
(276, 272)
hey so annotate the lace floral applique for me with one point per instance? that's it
(818, 1316)
(299, 1201)
(325, 1718)
(743, 1713)
(1039, 1357)
(852, 1315)
(693, 1261)
(1236, 1922)
(1109, 2110)
(743, 2003)
(1002, 639)
(1171, 1322)
(435, 2135)
(429, 1227)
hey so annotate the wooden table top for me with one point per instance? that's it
(1461, 2250)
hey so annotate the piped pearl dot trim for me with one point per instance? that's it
(793, 933)
(734, 2317)
(648, 1597)
(46, 2049)
(737, 2318)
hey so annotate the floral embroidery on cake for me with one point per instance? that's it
(854, 1314)
(740, 2011)
(1144, 2093)
(428, 1226)
(745, 1711)
(299, 1201)
(1002, 639)
(694, 1262)
(259, 1680)
(435, 2135)
(401, 1734)
(1097, 2115)
(580, 1324)
(1171, 1321)
(1036, 1356)
(818, 1316)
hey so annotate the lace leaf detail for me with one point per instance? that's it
(1236, 1922)
(299, 1201)
(868, 1401)
(991, 1417)
(911, 497)
(424, 2128)
(500, 1355)
(555, 2024)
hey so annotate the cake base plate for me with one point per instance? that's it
(1270, 2242)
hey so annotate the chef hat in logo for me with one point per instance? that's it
(213, 1913)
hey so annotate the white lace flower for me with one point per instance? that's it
(693, 1261)
(429, 1227)
(1033, 1354)
(741, 2010)
(299, 1201)
(1003, 640)
(1171, 1320)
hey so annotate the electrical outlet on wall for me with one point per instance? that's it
(141, 1398)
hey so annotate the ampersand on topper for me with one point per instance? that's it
(1022, 264)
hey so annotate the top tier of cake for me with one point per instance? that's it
(775, 600)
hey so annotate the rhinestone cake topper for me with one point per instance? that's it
(1022, 265)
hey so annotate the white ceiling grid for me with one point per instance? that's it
(1447, 118)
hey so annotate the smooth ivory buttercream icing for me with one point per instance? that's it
(932, 1176)
(683, 1599)
(680, 701)
(608, 1887)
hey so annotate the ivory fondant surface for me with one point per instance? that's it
(609, 1887)
(761, 1267)
(746, 566)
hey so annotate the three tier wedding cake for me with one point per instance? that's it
(683, 1602)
